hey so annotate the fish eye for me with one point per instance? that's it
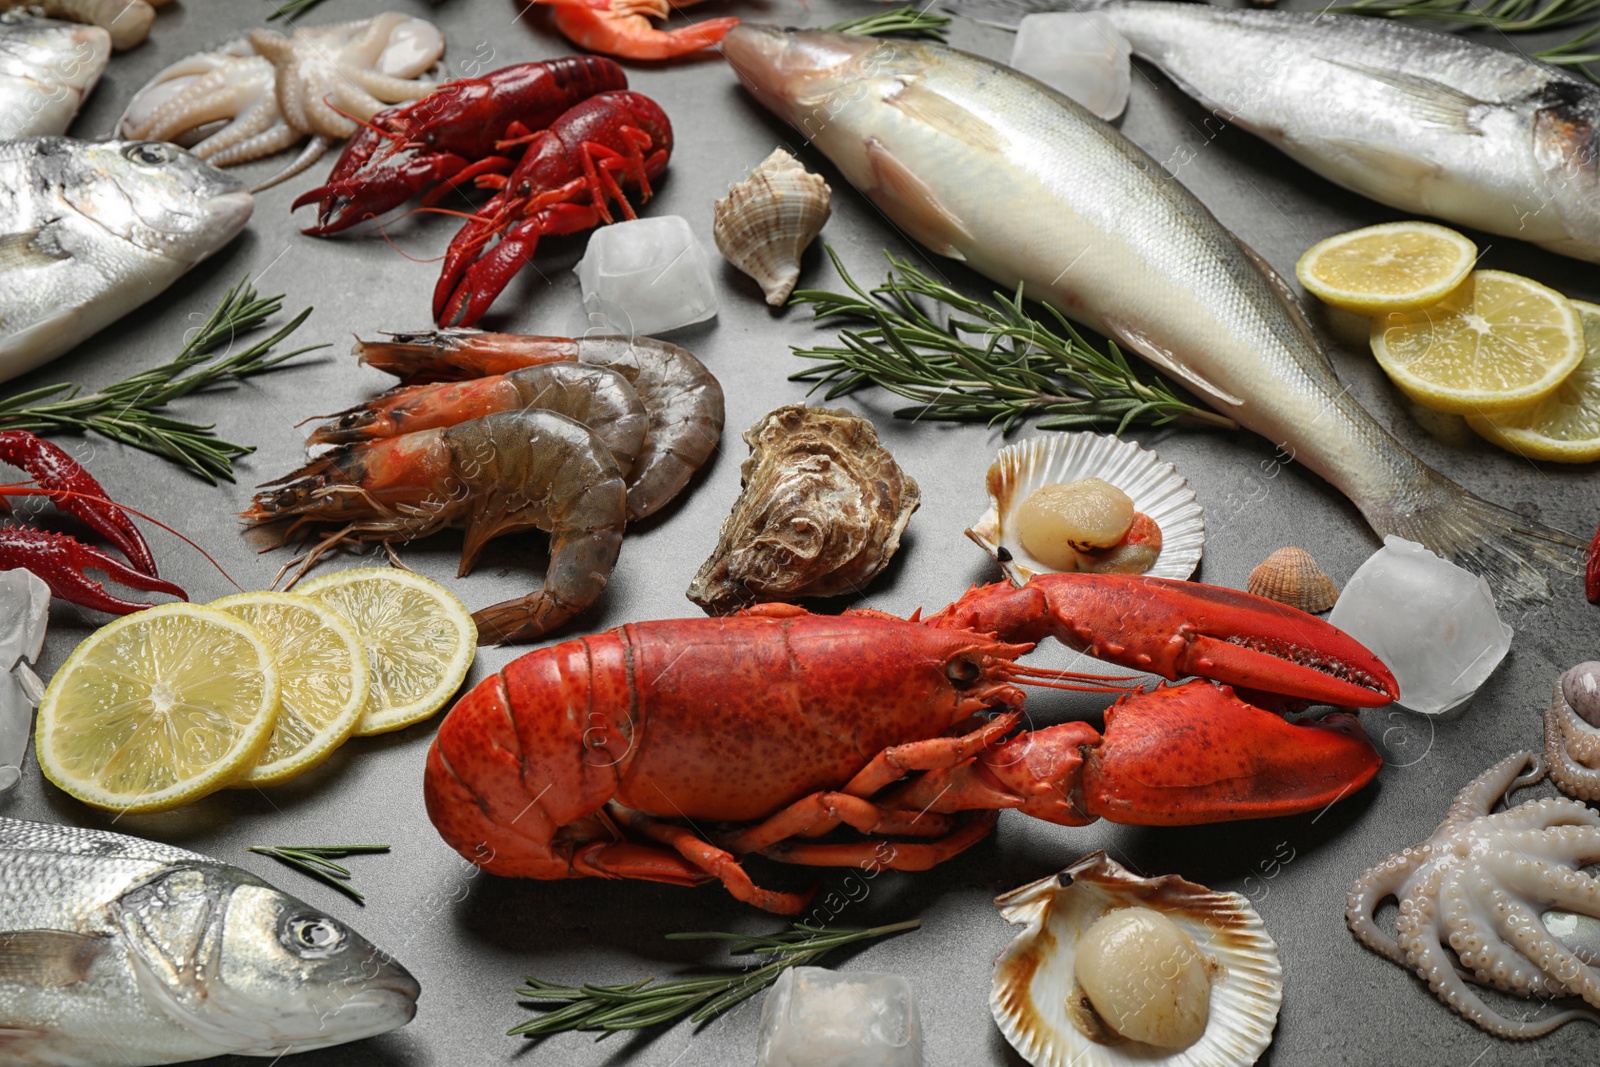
(312, 936)
(150, 153)
(962, 671)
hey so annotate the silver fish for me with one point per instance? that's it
(986, 165)
(115, 950)
(47, 68)
(1425, 122)
(89, 231)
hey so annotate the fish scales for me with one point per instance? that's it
(986, 165)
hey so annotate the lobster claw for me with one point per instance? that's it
(61, 561)
(1176, 629)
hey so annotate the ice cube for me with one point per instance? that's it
(24, 610)
(646, 276)
(814, 1017)
(1079, 53)
(1431, 622)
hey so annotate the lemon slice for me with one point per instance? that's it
(1499, 341)
(322, 667)
(158, 709)
(1565, 426)
(1394, 267)
(420, 640)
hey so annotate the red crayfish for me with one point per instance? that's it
(666, 750)
(574, 163)
(61, 560)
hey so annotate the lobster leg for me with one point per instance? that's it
(888, 855)
(464, 294)
(61, 560)
(714, 861)
(76, 492)
(1175, 629)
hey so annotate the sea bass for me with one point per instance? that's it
(47, 68)
(115, 950)
(89, 231)
(986, 165)
(1425, 122)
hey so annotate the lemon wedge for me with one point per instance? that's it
(322, 668)
(1499, 341)
(419, 637)
(158, 708)
(1564, 427)
(1397, 266)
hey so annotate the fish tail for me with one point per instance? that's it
(1508, 549)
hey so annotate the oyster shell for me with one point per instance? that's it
(1157, 489)
(821, 512)
(767, 220)
(1291, 576)
(1043, 1011)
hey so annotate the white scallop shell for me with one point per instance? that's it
(1156, 487)
(766, 221)
(1034, 977)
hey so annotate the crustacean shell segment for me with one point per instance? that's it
(1045, 1012)
(766, 221)
(1157, 489)
(1290, 576)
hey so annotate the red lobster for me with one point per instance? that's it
(456, 133)
(61, 560)
(665, 750)
(586, 157)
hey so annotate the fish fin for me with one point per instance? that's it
(1432, 101)
(1505, 548)
(1167, 360)
(1291, 303)
(947, 117)
(30, 250)
(913, 205)
(48, 958)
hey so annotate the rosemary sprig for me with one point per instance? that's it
(905, 21)
(130, 410)
(636, 1005)
(1506, 16)
(995, 362)
(315, 861)
(292, 8)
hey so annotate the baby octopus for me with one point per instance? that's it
(1492, 886)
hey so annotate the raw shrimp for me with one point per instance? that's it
(597, 397)
(683, 398)
(507, 472)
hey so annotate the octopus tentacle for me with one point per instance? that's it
(1433, 967)
(1493, 963)
(1572, 750)
(1535, 817)
(1484, 792)
(1371, 889)
(275, 138)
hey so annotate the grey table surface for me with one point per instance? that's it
(469, 937)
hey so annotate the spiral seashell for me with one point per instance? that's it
(767, 220)
(1290, 576)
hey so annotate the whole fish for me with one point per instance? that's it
(115, 950)
(1425, 122)
(986, 165)
(89, 231)
(47, 68)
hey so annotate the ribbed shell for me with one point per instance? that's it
(1156, 487)
(1034, 976)
(1290, 576)
(766, 221)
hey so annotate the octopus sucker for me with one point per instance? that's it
(1571, 739)
(1476, 901)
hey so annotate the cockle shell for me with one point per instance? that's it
(1036, 991)
(1157, 489)
(822, 511)
(766, 221)
(1290, 576)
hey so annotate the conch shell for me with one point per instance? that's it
(821, 513)
(1290, 576)
(767, 220)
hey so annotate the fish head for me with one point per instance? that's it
(1566, 142)
(255, 971)
(805, 75)
(66, 54)
(154, 195)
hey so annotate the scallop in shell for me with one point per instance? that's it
(1157, 489)
(1291, 576)
(767, 220)
(1056, 995)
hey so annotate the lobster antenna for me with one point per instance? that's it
(1075, 681)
